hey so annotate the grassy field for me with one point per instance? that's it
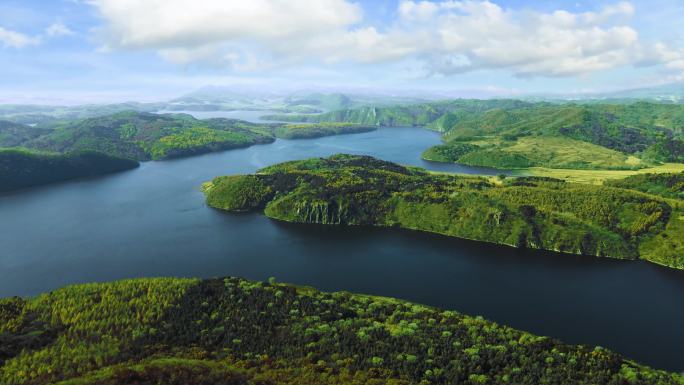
(559, 152)
(596, 177)
(566, 152)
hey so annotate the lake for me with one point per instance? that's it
(153, 221)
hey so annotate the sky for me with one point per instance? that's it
(94, 51)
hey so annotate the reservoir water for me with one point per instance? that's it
(153, 221)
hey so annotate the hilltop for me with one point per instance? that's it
(233, 331)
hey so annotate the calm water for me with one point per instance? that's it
(153, 222)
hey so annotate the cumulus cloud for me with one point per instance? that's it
(188, 23)
(559, 43)
(12, 39)
(449, 37)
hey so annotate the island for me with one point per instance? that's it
(232, 331)
(530, 212)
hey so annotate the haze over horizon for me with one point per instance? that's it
(91, 51)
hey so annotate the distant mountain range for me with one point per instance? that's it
(213, 98)
(672, 93)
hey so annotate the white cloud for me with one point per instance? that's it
(421, 10)
(447, 36)
(58, 29)
(482, 35)
(188, 23)
(677, 65)
(12, 39)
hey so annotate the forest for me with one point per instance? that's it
(668, 185)
(234, 331)
(529, 212)
(21, 168)
(316, 130)
(140, 136)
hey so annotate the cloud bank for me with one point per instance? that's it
(446, 37)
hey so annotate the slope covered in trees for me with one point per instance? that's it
(516, 134)
(531, 212)
(14, 134)
(234, 331)
(437, 115)
(668, 185)
(22, 168)
(316, 130)
(650, 132)
(147, 136)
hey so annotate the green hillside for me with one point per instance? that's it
(612, 133)
(315, 130)
(22, 168)
(49, 114)
(531, 212)
(438, 115)
(14, 134)
(667, 185)
(515, 134)
(233, 331)
(146, 136)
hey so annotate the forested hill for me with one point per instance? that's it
(22, 168)
(237, 332)
(437, 115)
(145, 136)
(148, 136)
(14, 134)
(515, 134)
(668, 185)
(532, 212)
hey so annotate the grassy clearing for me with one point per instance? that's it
(563, 152)
(534, 151)
(596, 177)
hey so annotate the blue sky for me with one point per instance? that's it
(114, 50)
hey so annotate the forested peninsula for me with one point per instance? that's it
(21, 168)
(232, 331)
(531, 212)
(146, 136)
(61, 150)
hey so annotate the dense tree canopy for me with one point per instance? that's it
(232, 331)
(22, 168)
